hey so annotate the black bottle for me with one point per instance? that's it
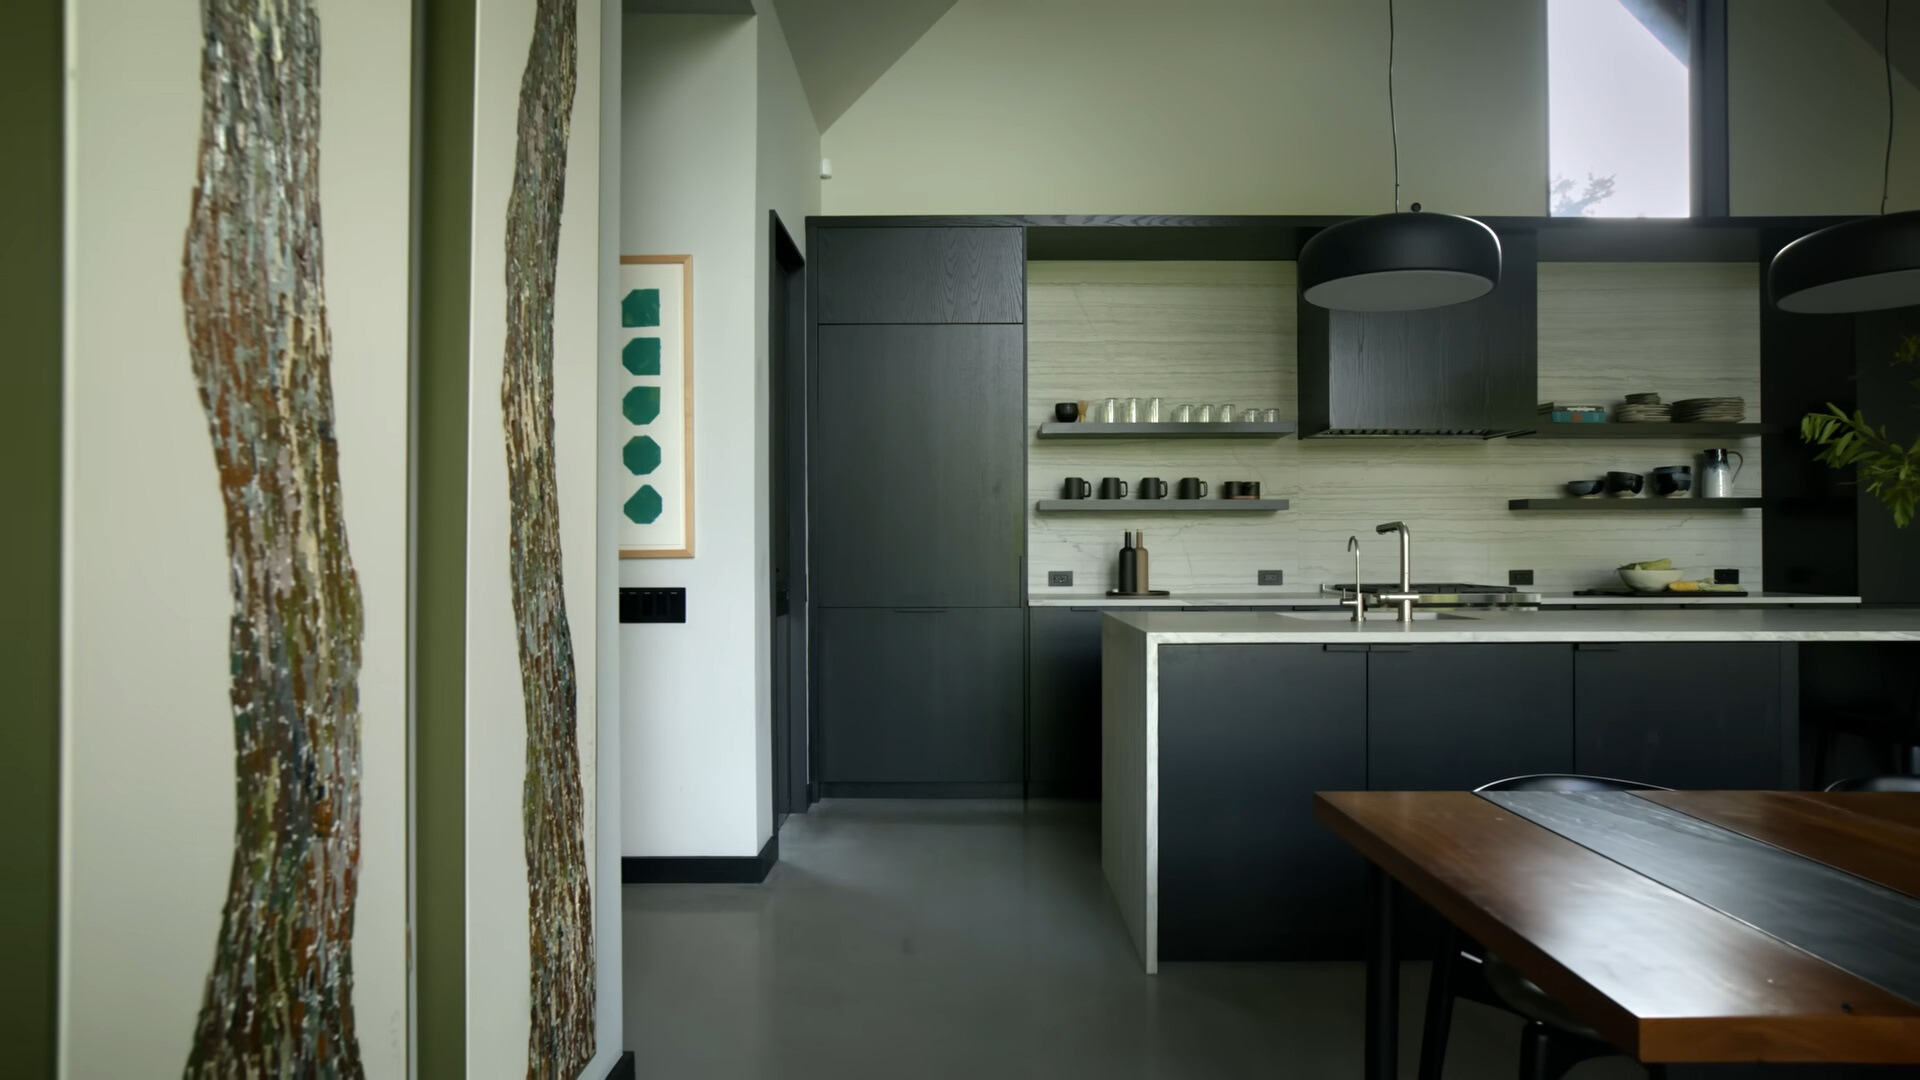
(1129, 566)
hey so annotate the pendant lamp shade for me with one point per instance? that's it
(1864, 265)
(1399, 262)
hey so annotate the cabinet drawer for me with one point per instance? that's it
(921, 696)
(887, 275)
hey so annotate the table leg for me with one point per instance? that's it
(1383, 982)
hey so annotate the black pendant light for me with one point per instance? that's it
(1399, 262)
(1864, 265)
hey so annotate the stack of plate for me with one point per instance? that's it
(1643, 399)
(1643, 413)
(1715, 410)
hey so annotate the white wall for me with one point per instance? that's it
(1807, 104)
(716, 133)
(497, 903)
(147, 755)
(689, 694)
(1206, 106)
(1224, 332)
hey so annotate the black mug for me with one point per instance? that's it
(1192, 487)
(1067, 412)
(1239, 489)
(1112, 487)
(1152, 487)
(1076, 488)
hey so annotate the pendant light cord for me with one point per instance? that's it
(1886, 54)
(1393, 122)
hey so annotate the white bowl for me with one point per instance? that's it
(1650, 580)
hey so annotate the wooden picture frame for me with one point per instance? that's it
(656, 406)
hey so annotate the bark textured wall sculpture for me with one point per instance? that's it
(279, 998)
(560, 1037)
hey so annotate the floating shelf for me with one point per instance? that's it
(1053, 429)
(1617, 430)
(1675, 505)
(1160, 506)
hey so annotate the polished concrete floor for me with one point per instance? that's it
(929, 940)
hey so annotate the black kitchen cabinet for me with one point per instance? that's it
(1063, 702)
(1454, 717)
(1247, 734)
(919, 468)
(1690, 715)
(913, 275)
(1463, 369)
(926, 697)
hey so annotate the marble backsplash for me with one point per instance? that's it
(1224, 332)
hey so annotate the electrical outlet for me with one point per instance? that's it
(1059, 577)
(1273, 577)
(1519, 577)
(1724, 576)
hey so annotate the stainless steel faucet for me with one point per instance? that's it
(1359, 600)
(1406, 596)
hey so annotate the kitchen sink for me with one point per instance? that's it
(1372, 616)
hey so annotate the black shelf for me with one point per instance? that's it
(1161, 506)
(1054, 429)
(1679, 504)
(1619, 430)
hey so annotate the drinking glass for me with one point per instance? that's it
(1151, 413)
(1106, 411)
(1271, 416)
(1130, 410)
(1203, 414)
(1183, 414)
(1224, 413)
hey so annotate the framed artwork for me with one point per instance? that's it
(656, 406)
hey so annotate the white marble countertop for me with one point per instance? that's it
(1284, 599)
(1788, 624)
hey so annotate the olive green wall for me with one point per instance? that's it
(441, 257)
(30, 276)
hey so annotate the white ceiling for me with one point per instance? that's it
(842, 47)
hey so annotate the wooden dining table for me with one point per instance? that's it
(1689, 928)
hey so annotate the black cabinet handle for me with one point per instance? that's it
(919, 611)
(1344, 648)
(1392, 648)
(1588, 646)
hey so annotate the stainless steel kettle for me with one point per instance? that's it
(1717, 476)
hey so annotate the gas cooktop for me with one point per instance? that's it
(1425, 588)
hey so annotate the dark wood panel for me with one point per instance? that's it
(1691, 715)
(1453, 717)
(1895, 807)
(918, 470)
(1829, 827)
(1063, 702)
(1854, 924)
(922, 275)
(1661, 976)
(929, 696)
(1247, 733)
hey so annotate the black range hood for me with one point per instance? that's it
(1469, 370)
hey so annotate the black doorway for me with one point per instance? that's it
(787, 464)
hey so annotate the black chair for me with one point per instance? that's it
(1894, 729)
(1554, 1040)
(1906, 785)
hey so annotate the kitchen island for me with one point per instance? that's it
(1218, 727)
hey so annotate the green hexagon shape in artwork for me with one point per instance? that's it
(640, 307)
(641, 356)
(641, 454)
(645, 506)
(641, 405)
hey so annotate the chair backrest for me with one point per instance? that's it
(1907, 784)
(1567, 782)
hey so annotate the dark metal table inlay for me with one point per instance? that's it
(1866, 929)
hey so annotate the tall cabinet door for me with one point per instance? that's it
(918, 466)
(1695, 715)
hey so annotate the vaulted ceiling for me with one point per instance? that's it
(842, 47)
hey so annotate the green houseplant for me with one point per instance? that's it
(1884, 468)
